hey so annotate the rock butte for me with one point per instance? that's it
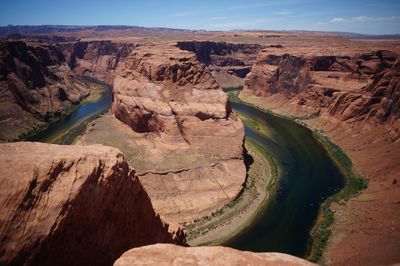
(72, 205)
(178, 131)
(167, 254)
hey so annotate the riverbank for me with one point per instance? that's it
(232, 219)
(361, 225)
(64, 128)
(354, 183)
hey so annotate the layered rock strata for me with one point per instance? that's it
(177, 129)
(72, 205)
(352, 95)
(97, 59)
(229, 63)
(350, 88)
(36, 85)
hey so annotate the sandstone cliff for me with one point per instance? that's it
(35, 85)
(348, 87)
(227, 62)
(72, 205)
(167, 254)
(177, 130)
(351, 91)
(98, 59)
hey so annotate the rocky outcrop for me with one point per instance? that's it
(383, 100)
(177, 129)
(98, 59)
(228, 62)
(222, 53)
(167, 254)
(72, 205)
(35, 85)
(351, 88)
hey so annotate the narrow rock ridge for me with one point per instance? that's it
(35, 85)
(74, 205)
(167, 254)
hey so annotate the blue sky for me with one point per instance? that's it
(362, 16)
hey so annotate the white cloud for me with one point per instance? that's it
(337, 20)
(358, 19)
(282, 13)
(365, 18)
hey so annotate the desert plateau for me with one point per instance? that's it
(228, 133)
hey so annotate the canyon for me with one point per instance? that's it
(178, 148)
(352, 97)
(36, 85)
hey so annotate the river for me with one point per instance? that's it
(67, 128)
(307, 177)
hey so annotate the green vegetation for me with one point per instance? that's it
(353, 186)
(41, 126)
(97, 89)
(248, 121)
(229, 89)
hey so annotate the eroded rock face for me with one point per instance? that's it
(165, 254)
(228, 62)
(35, 85)
(98, 59)
(167, 91)
(178, 131)
(72, 205)
(350, 88)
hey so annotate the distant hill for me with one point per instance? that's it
(49, 29)
(351, 35)
(60, 29)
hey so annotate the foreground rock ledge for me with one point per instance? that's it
(168, 254)
(72, 205)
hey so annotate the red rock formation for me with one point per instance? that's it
(72, 205)
(178, 131)
(35, 85)
(167, 254)
(228, 62)
(165, 90)
(354, 94)
(98, 59)
(350, 88)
